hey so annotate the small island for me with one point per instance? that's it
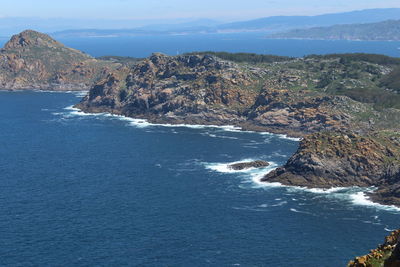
(248, 165)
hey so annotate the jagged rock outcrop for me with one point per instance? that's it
(300, 111)
(386, 255)
(389, 191)
(247, 165)
(33, 60)
(181, 89)
(201, 89)
(332, 159)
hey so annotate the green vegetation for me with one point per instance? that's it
(366, 78)
(244, 57)
(357, 57)
(123, 60)
(392, 80)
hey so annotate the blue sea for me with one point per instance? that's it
(144, 46)
(99, 190)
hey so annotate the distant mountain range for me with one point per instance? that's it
(64, 28)
(381, 31)
(268, 25)
(281, 23)
(13, 25)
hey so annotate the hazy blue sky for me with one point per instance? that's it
(151, 9)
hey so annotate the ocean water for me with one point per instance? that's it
(143, 46)
(101, 190)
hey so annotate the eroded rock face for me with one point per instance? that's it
(299, 111)
(190, 89)
(203, 89)
(389, 191)
(330, 159)
(247, 165)
(33, 60)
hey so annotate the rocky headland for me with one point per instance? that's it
(330, 159)
(345, 107)
(33, 60)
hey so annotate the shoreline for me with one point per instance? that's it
(362, 196)
(358, 196)
(240, 127)
(150, 122)
(244, 126)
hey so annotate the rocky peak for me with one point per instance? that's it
(34, 60)
(30, 38)
(205, 62)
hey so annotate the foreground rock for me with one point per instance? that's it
(330, 159)
(33, 60)
(247, 165)
(386, 255)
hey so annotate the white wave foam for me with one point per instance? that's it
(356, 195)
(219, 136)
(76, 112)
(361, 199)
(283, 136)
(323, 191)
(279, 204)
(141, 123)
(80, 93)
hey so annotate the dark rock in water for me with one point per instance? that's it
(247, 165)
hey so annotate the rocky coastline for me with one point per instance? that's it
(345, 108)
(350, 137)
(339, 149)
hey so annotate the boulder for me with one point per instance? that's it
(247, 165)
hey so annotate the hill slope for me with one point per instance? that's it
(33, 60)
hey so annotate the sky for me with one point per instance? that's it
(223, 10)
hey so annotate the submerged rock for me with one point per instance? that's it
(247, 165)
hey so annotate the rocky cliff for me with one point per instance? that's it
(203, 89)
(386, 255)
(348, 119)
(33, 60)
(332, 159)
